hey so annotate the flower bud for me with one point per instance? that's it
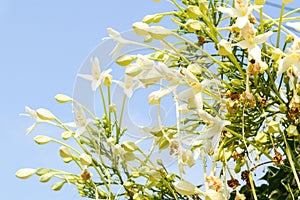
(193, 25)
(259, 2)
(65, 152)
(129, 146)
(158, 32)
(61, 98)
(125, 60)
(140, 28)
(46, 177)
(224, 48)
(112, 108)
(107, 80)
(152, 18)
(42, 139)
(86, 159)
(42, 171)
(273, 127)
(66, 135)
(185, 188)
(133, 70)
(57, 186)
(45, 114)
(261, 137)
(193, 11)
(292, 131)
(25, 173)
(111, 141)
(289, 39)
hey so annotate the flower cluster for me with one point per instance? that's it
(235, 95)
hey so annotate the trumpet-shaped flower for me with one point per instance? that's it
(32, 113)
(292, 59)
(241, 11)
(97, 76)
(116, 36)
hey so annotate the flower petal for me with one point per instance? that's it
(262, 37)
(241, 21)
(86, 76)
(224, 10)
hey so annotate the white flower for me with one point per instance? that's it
(292, 59)
(251, 43)
(187, 158)
(241, 11)
(129, 85)
(32, 113)
(97, 76)
(155, 97)
(214, 129)
(116, 36)
(81, 121)
(186, 188)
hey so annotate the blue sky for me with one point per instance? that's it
(42, 46)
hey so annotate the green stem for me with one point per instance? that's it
(279, 26)
(103, 100)
(66, 145)
(252, 186)
(290, 159)
(175, 50)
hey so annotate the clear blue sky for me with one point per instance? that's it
(42, 46)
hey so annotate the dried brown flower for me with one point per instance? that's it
(233, 183)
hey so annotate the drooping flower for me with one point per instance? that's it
(32, 113)
(81, 121)
(187, 158)
(97, 76)
(213, 131)
(116, 36)
(241, 11)
(291, 60)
